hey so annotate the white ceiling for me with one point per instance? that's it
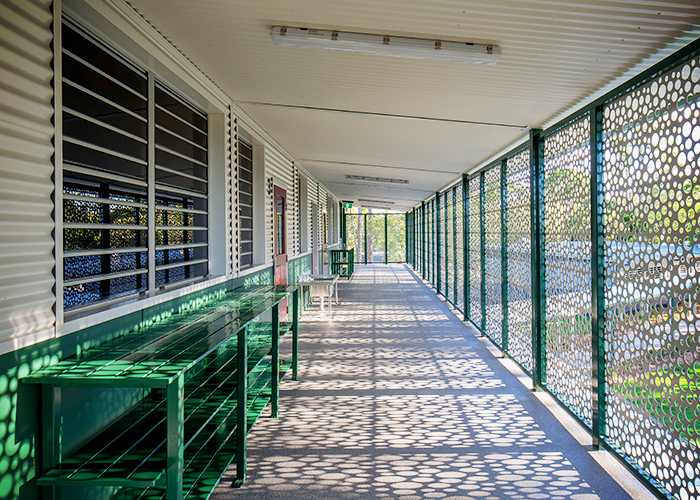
(330, 109)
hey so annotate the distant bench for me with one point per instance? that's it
(210, 373)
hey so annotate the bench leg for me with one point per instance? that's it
(50, 436)
(175, 425)
(275, 382)
(295, 334)
(242, 408)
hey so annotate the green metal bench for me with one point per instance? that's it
(343, 262)
(210, 373)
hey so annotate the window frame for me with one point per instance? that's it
(154, 79)
(248, 146)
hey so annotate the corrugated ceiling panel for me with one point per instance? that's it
(26, 169)
(557, 52)
(556, 57)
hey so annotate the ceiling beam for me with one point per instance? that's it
(383, 115)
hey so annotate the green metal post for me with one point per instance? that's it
(295, 332)
(598, 277)
(423, 246)
(504, 251)
(175, 438)
(431, 237)
(454, 246)
(51, 436)
(437, 242)
(465, 245)
(386, 241)
(242, 407)
(537, 254)
(343, 225)
(407, 243)
(415, 238)
(275, 382)
(364, 221)
(482, 214)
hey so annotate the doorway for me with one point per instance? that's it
(279, 240)
(315, 243)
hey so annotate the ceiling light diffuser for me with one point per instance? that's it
(375, 179)
(396, 46)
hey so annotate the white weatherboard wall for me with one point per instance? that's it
(30, 225)
(26, 171)
(280, 168)
(231, 194)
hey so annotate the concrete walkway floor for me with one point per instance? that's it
(397, 398)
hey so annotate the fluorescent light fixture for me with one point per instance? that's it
(377, 201)
(375, 179)
(396, 46)
(364, 205)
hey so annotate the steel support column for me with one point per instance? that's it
(482, 217)
(438, 223)
(537, 256)
(364, 222)
(454, 248)
(597, 277)
(423, 246)
(386, 241)
(465, 245)
(504, 252)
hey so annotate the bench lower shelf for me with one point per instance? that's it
(139, 437)
(200, 484)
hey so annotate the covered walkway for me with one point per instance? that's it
(397, 398)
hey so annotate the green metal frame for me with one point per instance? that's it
(343, 225)
(482, 214)
(465, 245)
(184, 353)
(598, 273)
(386, 241)
(537, 255)
(438, 274)
(538, 291)
(364, 222)
(504, 252)
(466, 248)
(454, 247)
(423, 244)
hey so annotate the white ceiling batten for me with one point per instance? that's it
(426, 121)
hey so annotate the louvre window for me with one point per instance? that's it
(245, 203)
(181, 189)
(106, 178)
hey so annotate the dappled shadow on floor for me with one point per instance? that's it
(397, 398)
(413, 476)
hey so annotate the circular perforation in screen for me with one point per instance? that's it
(652, 184)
